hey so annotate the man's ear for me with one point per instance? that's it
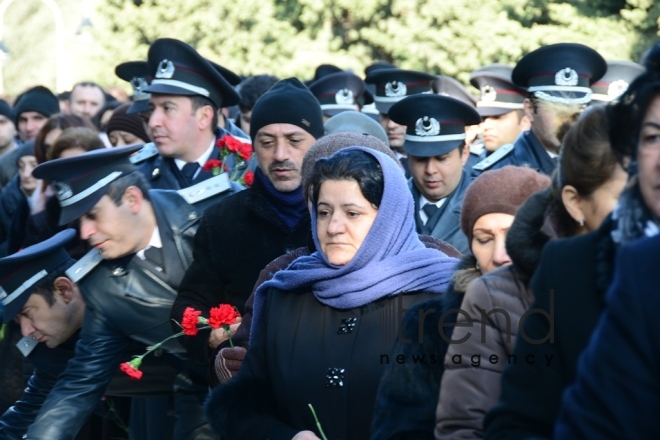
(204, 117)
(64, 288)
(464, 151)
(133, 198)
(528, 107)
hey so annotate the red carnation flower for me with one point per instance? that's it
(132, 370)
(212, 164)
(189, 321)
(248, 178)
(245, 151)
(223, 315)
(232, 144)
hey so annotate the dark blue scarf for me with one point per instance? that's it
(290, 207)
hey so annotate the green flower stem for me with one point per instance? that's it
(318, 424)
(3, 331)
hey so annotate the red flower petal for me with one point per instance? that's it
(248, 178)
(189, 321)
(131, 371)
(223, 315)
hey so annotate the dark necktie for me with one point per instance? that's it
(188, 171)
(430, 209)
(155, 256)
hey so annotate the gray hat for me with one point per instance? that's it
(355, 122)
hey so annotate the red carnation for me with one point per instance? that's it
(245, 151)
(232, 144)
(189, 321)
(131, 369)
(223, 315)
(211, 164)
(248, 178)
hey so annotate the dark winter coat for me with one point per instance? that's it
(569, 285)
(304, 352)
(236, 239)
(12, 200)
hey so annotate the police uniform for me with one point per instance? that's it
(616, 81)
(177, 69)
(559, 73)
(497, 96)
(435, 125)
(137, 74)
(128, 299)
(391, 86)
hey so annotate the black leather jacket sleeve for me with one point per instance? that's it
(78, 390)
(16, 420)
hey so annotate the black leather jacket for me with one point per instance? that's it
(126, 301)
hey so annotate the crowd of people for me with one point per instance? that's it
(393, 256)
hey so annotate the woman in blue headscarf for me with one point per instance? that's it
(323, 330)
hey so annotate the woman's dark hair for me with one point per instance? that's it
(61, 121)
(627, 113)
(354, 165)
(73, 137)
(587, 162)
(109, 106)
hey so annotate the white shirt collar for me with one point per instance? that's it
(422, 202)
(201, 160)
(154, 242)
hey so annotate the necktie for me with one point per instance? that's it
(155, 256)
(430, 209)
(188, 171)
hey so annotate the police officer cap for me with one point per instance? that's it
(435, 124)
(561, 73)
(447, 86)
(392, 85)
(338, 92)
(82, 180)
(498, 95)
(21, 271)
(227, 74)
(178, 69)
(137, 74)
(355, 122)
(616, 81)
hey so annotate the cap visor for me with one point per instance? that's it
(430, 149)
(11, 310)
(138, 107)
(75, 211)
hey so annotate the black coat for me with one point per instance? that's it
(569, 284)
(236, 239)
(12, 200)
(290, 363)
(128, 301)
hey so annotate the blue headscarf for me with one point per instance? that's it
(390, 260)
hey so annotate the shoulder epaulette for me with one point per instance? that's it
(477, 148)
(495, 157)
(208, 188)
(26, 345)
(88, 262)
(148, 151)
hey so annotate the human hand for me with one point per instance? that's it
(228, 362)
(219, 335)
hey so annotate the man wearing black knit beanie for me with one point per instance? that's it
(32, 110)
(240, 235)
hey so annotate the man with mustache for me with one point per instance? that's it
(238, 237)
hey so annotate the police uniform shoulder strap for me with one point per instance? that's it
(208, 188)
(88, 262)
(495, 157)
(26, 345)
(147, 152)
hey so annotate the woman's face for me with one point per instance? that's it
(648, 157)
(344, 218)
(25, 166)
(120, 138)
(599, 205)
(489, 235)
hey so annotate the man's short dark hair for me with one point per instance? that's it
(118, 187)
(201, 101)
(252, 88)
(45, 286)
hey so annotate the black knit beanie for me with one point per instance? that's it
(37, 99)
(288, 102)
(5, 109)
(130, 123)
(27, 149)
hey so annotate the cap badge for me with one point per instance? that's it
(165, 69)
(395, 88)
(138, 85)
(566, 77)
(64, 191)
(427, 127)
(345, 97)
(488, 93)
(617, 88)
